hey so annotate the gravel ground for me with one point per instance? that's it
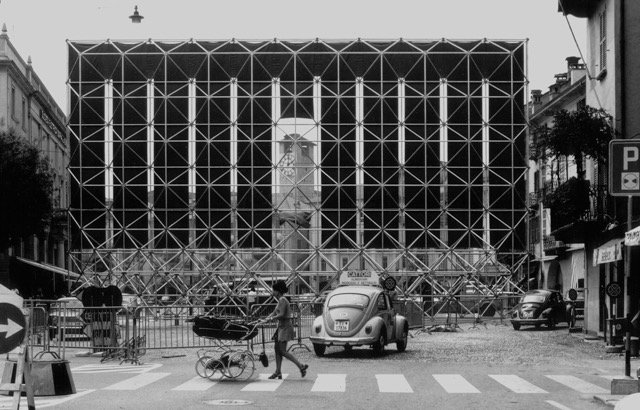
(493, 343)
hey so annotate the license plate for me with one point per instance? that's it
(341, 325)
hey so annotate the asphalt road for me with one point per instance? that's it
(485, 367)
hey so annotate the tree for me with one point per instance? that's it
(26, 187)
(585, 132)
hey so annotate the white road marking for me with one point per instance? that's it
(393, 383)
(577, 384)
(330, 383)
(7, 402)
(264, 383)
(136, 382)
(115, 368)
(516, 383)
(196, 384)
(558, 405)
(455, 383)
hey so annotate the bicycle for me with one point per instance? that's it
(129, 351)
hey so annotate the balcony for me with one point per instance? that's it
(573, 201)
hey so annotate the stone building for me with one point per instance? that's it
(27, 109)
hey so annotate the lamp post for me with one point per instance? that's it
(136, 17)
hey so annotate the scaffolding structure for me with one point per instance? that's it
(200, 165)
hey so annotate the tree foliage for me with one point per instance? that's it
(585, 132)
(26, 184)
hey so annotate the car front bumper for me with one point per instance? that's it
(531, 322)
(343, 341)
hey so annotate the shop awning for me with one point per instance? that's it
(609, 252)
(632, 237)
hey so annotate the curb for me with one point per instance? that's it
(609, 399)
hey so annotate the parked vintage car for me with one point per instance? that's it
(360, 313)
(65, 321)
(541, 307)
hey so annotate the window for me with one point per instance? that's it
(13, 102)
(603, 40)
(382, 302)
(24, 114)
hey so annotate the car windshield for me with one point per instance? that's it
(533, 299)
(349, 299)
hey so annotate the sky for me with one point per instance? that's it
(40, 28)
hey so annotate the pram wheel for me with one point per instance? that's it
(208, 366)
(241, 366)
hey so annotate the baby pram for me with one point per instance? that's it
(224, 329)
(226, 359)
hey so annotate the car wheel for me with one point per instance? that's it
(319, 349)
(401, 344)
(537, 325)
(378, 347)
(516, 326)
(348, 348)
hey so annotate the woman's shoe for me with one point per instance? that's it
(303, 370)
(276, 375)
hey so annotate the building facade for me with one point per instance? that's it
(613, 83)
(559, 264)
(28, 110)
(197, 163)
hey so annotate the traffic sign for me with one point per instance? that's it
(613, 289)
(624, 167)
(12, 327)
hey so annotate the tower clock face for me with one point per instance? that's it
(288, 162)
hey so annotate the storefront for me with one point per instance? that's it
(607, 268)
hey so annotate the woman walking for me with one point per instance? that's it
(284, 331)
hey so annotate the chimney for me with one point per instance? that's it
(536, 96)
(575, 70)
(572, 63)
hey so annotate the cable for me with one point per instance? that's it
(580, 52)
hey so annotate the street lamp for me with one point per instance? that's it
(136, 17)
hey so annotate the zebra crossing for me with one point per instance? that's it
(6, 402)
(383, 383)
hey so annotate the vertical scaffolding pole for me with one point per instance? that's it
(402, 236)
(108, 162)
(360, 163)
(191, 153)
(444, 159)
(150, 163)
(486, 203)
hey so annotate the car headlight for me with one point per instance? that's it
(318, 328)
(368, 329)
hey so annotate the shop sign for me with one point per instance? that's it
(632, 238)
(607, 253)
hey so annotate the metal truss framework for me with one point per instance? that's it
(201, 164)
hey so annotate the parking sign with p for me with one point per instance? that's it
(624, 167)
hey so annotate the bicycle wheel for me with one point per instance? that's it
(241, 365)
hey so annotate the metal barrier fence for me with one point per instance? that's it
(59, 326)
(98, 329)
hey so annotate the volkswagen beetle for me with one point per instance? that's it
(360, 313)
(540, 307)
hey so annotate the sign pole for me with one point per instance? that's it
(627, 294)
